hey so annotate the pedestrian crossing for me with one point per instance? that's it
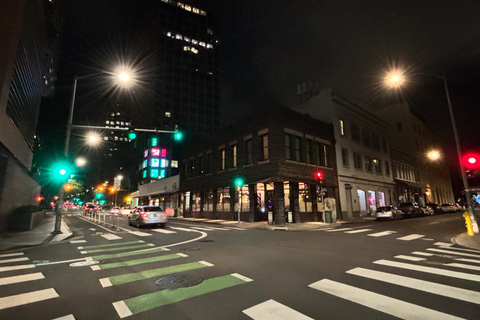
(362, 230)
(417, 277)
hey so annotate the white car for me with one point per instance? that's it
(147, 215)
(115, 210)
(388, 212)
(446, 207)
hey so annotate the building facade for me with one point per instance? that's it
(25, 74)
(418, 178)
(259, 165)
(365, 179)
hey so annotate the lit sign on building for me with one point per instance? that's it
(154, 173)
(154, 142)
(146, 154)
(164, 153)
(155, 152)
(156, 162)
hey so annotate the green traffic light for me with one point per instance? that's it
(132, 135)
(239, 182)
(99, 196)
(62, 172)
(178, 136)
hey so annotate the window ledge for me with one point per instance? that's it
(263, 161)
(231, 169)
(248, 165)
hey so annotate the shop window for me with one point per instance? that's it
(304, 198)
(223, 199)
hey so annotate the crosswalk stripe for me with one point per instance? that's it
(225, 229)
(18, 267)
(341, 229)
(164, 231)
(160, 298)
(443, 244)
(272, 309)
(111, 244)
(14, 260)
(234, 228)
(460, 249)
(22, 278)
(126, 254)
(454, 253)
(422, 253)
(422, 285)
(119, 248)
(463, 266)
(359, 230)
(26, 298)
(381, 234)
(204, 229)
(11, 254)
(146, 274)
(441, 272)
(140, 234)
(182, 229)
(67, 317)
(139, 261)
(391, 306)
(78, 241)
(411, 237)
(110, 236)
(401, 256)
(468, 260)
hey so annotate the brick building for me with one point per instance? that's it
(276, 152)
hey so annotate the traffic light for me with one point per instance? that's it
(178, 136)
(68, 187)
(131, 134)
(99, 196)
(238, 182)
(319, 176)
(61, 171)
(39, 199)
(100, 188)
(112, 190)
(471, 161)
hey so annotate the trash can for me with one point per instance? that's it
(328, 216)
(175, 212)
(270, 217)
(290, 217)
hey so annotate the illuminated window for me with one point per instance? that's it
(117, 122)
(178, 37)
(186, 39)
(154, 142)
(154, 173)
(186, 48)
(194, 50)
(188, 8)
(169, 34)
(222, 159)
(264, 146)
(342, 129)
(162, 173)
(155, 163)
(234, 156)
(164, 153)
(155, 152)
(194, 41)
(145, 154)
(168, 114)
(203, 13)
(107, 122)
(181, 5)
(201, 43)
(145, 163)
(209, 46)
(196, 10)
(105, 138)
(144, 175)
(164, 163)
(122, 123)
(116, 138)
(174, 163)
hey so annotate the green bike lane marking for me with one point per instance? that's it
(138, 261)
(126, 254)
(157, 299)
(110, 245)
(130, 277)
(119, 248)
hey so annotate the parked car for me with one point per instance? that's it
(446, 207)
(457, 207)
(147, 215)
(427, 210)
(388, 212)
(90, 209)
(410, 209)
(435, 207)
(115, 210)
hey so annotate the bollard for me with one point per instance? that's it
(468, 223)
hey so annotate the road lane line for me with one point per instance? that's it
(461, 249)
(208, 264)
(443, 244)
(11, 254)
(164, 231)
(19, 267)
(112, 244)
(359, 231)
(401, 256)
(110, 236)
(138, 246)
(122, 309)
(441, 272)
(463, 266)
(422, 285)
(203, 229)
(422, 253)
(78, 241)
(411, 237)
(391, 306)
(381, 234)
(14, 260)
(105, 282)
(341, 229)
(26, 298)
(272, 309)
(455, 253)
(468, 260)
(67, 317)
(182, 229)
(140, 261)
(140, 234)
(23, 278)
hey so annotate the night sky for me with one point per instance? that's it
(269, 47)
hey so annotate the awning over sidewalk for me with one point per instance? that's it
(159, 187)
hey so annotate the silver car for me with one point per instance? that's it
(388, 212)
(147, 215)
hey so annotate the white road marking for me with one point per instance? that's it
(381, 234)
(468, 260)
(14, 260)
(68, 317)
(204, 229)
(140, 234)
(411, 237)
(234, 228)
(182, 229)
(422, 253)
(409, 258)
(92, 229)
(78, 241)
(359, 230)
(391, 306)
(426, 286)
(19, 267)
(455, 253)
(164, 231)
(64, 261)
(443, 244)
(95, 268)
(105, 282)
(83, 252)
(461, 249)
(122, 309)
(208, 264)
(441, 272)
(110, 236)
(239, 276)
(182, 255)
(23, 278)
(11, 254)
(463, 266)
(26, 298)
(341, 229)
(271, 309)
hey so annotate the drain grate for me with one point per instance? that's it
(178, 281)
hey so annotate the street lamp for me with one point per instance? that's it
(394, 79)
(434, 155)
(80, 162)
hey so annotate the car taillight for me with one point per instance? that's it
(144, 215)
(164, 214)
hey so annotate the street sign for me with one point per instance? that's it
(116, 182)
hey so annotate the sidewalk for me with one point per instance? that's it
(41, 234)
(464, 240)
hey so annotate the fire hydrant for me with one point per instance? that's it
(468, 223)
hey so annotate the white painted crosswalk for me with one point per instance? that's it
(385, 233)
(271, 309)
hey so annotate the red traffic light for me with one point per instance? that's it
(471, 161)
(319, 175)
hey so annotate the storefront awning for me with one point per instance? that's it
(160, 187)
(408, 183)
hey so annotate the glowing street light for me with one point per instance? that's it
(394, 78)
(434, 155)
(93, 138)
(80, 162)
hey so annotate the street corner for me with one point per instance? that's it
(465, 240)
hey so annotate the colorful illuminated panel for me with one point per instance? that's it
(154, 173)
(154, 142)
(155, 152)
(155, 162)
(146, 154)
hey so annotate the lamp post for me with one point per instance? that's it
(396, 79)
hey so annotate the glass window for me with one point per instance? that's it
(345, 157)
(234, 156)
(366, 138)
(297, 149)
(264, 150)
(384, 142)
(355, 132)
(248, 152)
(377, 166)
(304, 198)
(387, 168)
(368, 163)
(342, 129)
(155, 162)
(222, 159)
(174, 163)
(375, 141)
(154, 142)
(168, 114)
(154, 173)
(311, 152)
(357, 160)
(288, 151)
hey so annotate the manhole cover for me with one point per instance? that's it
(178, 281)
(189, 249)
(205, 241)
(84, 263)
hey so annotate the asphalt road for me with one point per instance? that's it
(398, 269)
